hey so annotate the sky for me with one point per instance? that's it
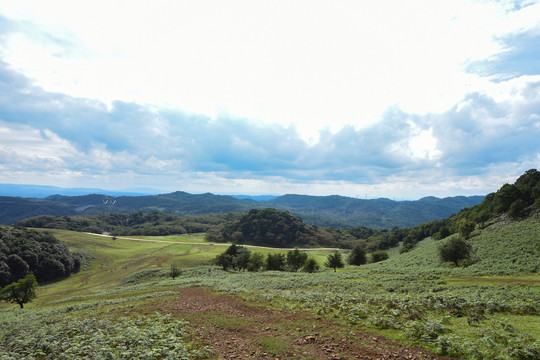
(368, 99)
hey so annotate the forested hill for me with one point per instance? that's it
(24, 251)
(340, 211)
(336, 211)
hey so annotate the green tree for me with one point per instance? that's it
(241, 260)
(482, 216)
(379, 255)
(275, 262)
(407, 246)
(175, 270)
(357, 256)
(256, 262)
(20, 292)
(311, 265)
(232, 250)
(334, 260)
(224, 260)
(505, 196)
(536, 195)
(517, 209)
(466, 227)
(454, 250)
(296, 259)
(19, 267)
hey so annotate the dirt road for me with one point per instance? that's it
(210, 244)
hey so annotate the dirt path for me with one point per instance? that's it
(238, 330)
(209, 244)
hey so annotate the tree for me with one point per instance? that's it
(20, 292)
(224, 260)
(296, 259)
(407, 246)
(50, 268)
(481, 217)
(505, 196)
(311, 265)
(175, 270)
(5, 273)
(466, 227)
(232, 250)
(19, 267)
(357, 256)
(377, 256)
(517, 209)
(334, 260)
(256, 262)
(275, 262)
(241, 260)
(455, 250)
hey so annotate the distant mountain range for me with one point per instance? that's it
(335, 211)
(42, 191)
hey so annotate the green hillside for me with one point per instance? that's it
(505, 247)
(275, 228)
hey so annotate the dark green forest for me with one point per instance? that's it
(24, 251)
(276, 228)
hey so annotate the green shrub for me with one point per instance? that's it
(378, 256)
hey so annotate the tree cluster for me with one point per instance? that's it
(240, 258)
(24, 251)
(270, 227)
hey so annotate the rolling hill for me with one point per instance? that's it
(335, 211)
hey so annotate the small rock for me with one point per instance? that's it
(310, 339)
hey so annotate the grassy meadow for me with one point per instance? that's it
(488, 309)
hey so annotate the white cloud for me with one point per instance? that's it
(424, 145)
(24, 147)
(355, 98)
(313, 64)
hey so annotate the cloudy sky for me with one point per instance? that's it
(397, 99)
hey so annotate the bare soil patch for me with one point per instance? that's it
(237, 329)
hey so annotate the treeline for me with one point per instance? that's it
(276, 228)
(138, 223)
(515, 200)
(24, 251)
(240, 258)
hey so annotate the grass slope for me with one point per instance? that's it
(503, 248)
(490, 309)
